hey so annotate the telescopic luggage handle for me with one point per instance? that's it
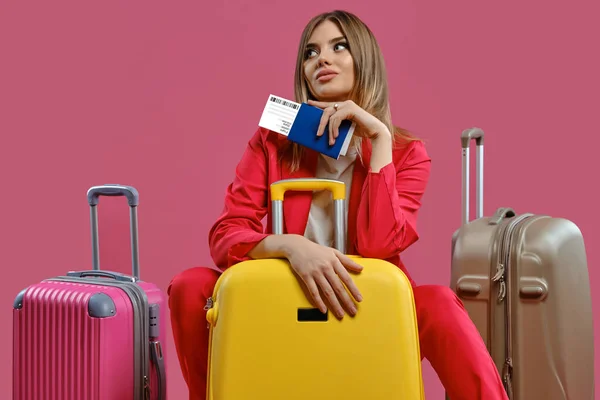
(338, 191)
(467, 136)
(133, 200)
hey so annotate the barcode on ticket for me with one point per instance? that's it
(279, 114)
(283, 102)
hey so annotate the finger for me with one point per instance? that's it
(336, 128)
(314, 293)
(341, 292)
(348, 262)
(332, 122)
(335, 123)
(324, 120)
(345, 277)
(329, 294)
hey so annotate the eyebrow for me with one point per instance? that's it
(337, 39)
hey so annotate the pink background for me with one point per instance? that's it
(147, 94)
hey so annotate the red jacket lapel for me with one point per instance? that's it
(359, 175)
(296, 205)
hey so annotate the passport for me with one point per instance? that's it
(299, 123)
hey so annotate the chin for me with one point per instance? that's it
(331, 95)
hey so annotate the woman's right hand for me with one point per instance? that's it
(323, 270)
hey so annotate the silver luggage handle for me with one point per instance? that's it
(338, 191)
(467, 136)
(133, 200)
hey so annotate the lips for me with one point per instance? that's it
(326, 75)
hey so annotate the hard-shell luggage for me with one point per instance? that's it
(91, 334)
(267, 341)
(523, 279)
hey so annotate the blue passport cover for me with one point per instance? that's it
(304, 131)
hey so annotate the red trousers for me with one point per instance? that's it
(448, 338)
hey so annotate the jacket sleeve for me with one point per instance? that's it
(239, 227)
(391, 198)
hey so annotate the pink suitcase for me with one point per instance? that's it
(91, 334)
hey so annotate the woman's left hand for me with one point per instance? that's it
(335, 113)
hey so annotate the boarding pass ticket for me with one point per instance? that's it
(279, 115)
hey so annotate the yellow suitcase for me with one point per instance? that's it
(267, 342)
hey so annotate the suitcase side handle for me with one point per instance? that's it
(500, 214)
(113, 275)
(466, 137)
(338, 191)
(156, 353)
(133, 200)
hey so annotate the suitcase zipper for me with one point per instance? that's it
(505, 293)
(209, 304)
(499, 277)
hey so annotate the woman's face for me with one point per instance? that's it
(328, 65)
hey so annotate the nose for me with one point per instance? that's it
(323, 58)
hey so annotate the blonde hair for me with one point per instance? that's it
(370, 90)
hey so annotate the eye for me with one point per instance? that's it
(340, 46)
(309, 53)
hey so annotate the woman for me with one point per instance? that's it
(341, 70)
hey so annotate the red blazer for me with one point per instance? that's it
(382, 210)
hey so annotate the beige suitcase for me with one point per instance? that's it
(523, 279)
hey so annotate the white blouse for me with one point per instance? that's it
(320, 225)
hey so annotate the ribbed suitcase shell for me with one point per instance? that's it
(61, 352)
(260, 350)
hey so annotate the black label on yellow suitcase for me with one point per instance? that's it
(268, 342)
